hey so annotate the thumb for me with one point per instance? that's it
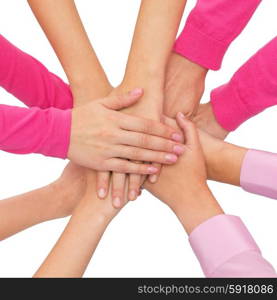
(189, 129)
(117, 102)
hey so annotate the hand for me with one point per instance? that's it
(183, 186)
(189, 174)
(184, 86)
(101, 137)
(146, 107)
(205, 120)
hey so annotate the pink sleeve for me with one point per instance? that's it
(210, 29)
(28, 80)
(35, 130)
(259, 172)
(225, 248)
(252, 89)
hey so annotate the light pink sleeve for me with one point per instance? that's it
(225, 248)
(45, 131)
(210, 29)
(259, 172)
(252, 89)
(28, 80)
(35, 130)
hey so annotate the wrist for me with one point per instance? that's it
(149, 78)
(198, 207)
(57, 199)
(224, 164)
(96, 210)
(84, 90)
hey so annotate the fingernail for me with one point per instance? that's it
(116, 202)
(153, 178)
(171, 158)
(101, 193)
(176, 137)
(178, 149)
(152, 169)
(136, 92)
(132, 195)
(181, 115)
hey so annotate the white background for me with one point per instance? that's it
(146, 238)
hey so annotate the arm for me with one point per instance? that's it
(34, 130)
(252, 89)
(55, 200)
(155, 31)
(222, 243)
(86, 226)
(210, 29)
(62, 25)
(255, 171)
(29, 80)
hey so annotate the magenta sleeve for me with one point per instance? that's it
(258, 173)
(28, 80)
(35, 130)
(252, 89)
(225, 248)
(210, 29)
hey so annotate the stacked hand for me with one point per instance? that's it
(103, 138)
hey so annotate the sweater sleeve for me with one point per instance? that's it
(28, 80)
(34, 130)
(225, 248)
(210, 29)
(252, 89)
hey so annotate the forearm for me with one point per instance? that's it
(18, 134)
(62, 25)
(210, 29)
(252, 89)
(80, 237)
(224, 165)
(191, 208)
(255, 171)
(225, 248)
(154, 35)
(29, 80)
(20, 212)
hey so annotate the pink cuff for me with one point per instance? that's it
(218, 239)
(200, 48)
(258, 173)
(228, 108)
(57, 137)
(33, 130)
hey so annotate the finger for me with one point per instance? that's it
(152, 127)
(125, 166)
(154, 178)
(102, 184)
(117, 102)
(151, 142)
(134, 153)
(118, 189)
(134, 185)
(189, 129)
(142, 180)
